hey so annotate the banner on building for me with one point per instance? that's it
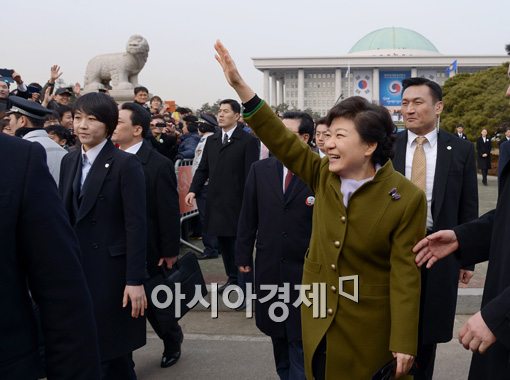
(390, 87)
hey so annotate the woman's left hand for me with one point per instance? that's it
(404, 363)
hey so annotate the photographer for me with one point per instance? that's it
(163, 138)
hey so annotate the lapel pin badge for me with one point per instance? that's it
(394, 194)
(106, 165)
(310, 201)
(449, 147)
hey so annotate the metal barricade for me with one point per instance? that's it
(184, 178)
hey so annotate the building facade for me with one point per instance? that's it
(374, 69)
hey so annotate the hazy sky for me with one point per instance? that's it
(181, 35)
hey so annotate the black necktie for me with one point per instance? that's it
(225, 139)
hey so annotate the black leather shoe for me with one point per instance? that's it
(169, 360)
(222, 288)
(205, 256)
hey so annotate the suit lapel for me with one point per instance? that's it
(236, 135)
(295, 187)
(275, 180)
(71, 186)
(443, 161)
(399, 161)
(95, 178)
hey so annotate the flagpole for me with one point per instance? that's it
(348, 76)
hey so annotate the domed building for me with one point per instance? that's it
(373, 68)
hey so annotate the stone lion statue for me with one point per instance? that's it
(120, 68)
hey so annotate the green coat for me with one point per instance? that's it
(373, 239)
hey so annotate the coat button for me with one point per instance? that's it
(330, 311)
(93, 222)
(95, 246)
(284, 234)
(100, 197)
(333, 266)
(333, 289)
(343, 219)
(337, 244)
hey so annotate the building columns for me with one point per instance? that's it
(301, 89)
(375, 86)
(338, 85)
(280, 98)
(266, 85)
(273, 91)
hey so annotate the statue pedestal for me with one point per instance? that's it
(122, 96)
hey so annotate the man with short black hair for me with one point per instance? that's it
(30, 116)
(163, 217)
(226, 161)
(321, 135)
(443, 166)
(487, 333)
(141, 97)
(65, 115)
(460, 132)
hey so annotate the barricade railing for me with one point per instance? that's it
(184, 177)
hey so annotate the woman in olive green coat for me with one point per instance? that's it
(366, 219)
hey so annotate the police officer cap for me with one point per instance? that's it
(28, 108)
(208, 119)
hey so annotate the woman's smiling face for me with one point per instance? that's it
(348, 153)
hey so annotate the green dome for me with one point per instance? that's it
(393, 39)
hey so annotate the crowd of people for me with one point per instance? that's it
(285, 201)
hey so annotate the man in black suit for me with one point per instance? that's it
(483, 150)
(460, 132)
(487, 333)
(226, 161)
(163, 214)
(277, 212)
(103, 190)
(444, 167)
(40, 257)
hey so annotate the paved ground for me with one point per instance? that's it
(231, 347)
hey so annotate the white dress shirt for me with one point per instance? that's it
(321, 154)
(92, 154)
(229, 134)
(430, 148)
(133, 149)
(285, 171)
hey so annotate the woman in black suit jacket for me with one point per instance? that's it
(104, 195)
(483, 149)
